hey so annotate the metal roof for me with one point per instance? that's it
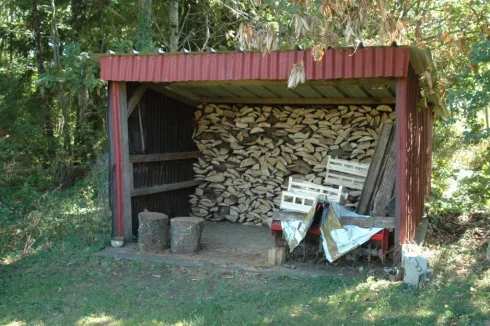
(229, 66)
(364, 75)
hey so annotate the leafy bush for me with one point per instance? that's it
(78, 217)
(460, 174)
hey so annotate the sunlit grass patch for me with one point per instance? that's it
(97, 320)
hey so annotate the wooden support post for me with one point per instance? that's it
(401, 164)
(117, 229)
(126, 168)
(135, 98)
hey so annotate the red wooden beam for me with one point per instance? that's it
(117, 165)
(401, 163)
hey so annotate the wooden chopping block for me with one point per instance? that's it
(186, 234)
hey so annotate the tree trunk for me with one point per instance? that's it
(82, 109)
(48, 123)
(174, 25)
(144, 41)
(487, 116)
(65, 107)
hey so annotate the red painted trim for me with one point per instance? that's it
(116, 138)
(401, 162)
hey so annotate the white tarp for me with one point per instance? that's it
(294, 231)
(337, 240)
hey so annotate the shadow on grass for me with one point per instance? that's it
(455, 227)
(68, 285)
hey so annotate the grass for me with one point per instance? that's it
(69, 286)
(50, 276)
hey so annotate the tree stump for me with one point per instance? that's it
(153, 231)
(277, 256)
(186, 234)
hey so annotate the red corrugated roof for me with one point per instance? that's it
(336, 64)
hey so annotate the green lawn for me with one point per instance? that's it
(49, 275)
(64, 286)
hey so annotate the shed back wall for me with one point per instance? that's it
(167, 127)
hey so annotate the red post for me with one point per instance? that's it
(401, 163)
(117, 206)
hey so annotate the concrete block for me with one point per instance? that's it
(415, 265)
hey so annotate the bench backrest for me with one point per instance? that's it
(301, 195)
(346, 173)
(323, 192)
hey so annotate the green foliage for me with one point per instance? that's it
(32, 220)
(471, 96)
(144, 41)
(460, 174)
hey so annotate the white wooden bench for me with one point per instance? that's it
(299, 202)
(346, 173)
(301, 195)
(322, 192)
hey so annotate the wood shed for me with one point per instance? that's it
(152, 116)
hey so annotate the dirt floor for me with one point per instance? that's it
(238, 247)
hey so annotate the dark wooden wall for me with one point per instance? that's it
(167, 126)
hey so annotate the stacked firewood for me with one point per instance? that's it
(248, 153)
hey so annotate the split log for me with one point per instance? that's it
(153, 231)
(249, 152)
(186, 234)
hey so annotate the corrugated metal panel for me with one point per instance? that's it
(414, 159)
(336, 64)
(115, 160)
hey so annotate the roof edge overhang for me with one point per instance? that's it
(228, 66)
(336, 64)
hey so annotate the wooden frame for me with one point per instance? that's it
(294, 101)
(309, 188)
(299, 202)
(346, 173)
(163, 157)
(136, 97)
(164, 188)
